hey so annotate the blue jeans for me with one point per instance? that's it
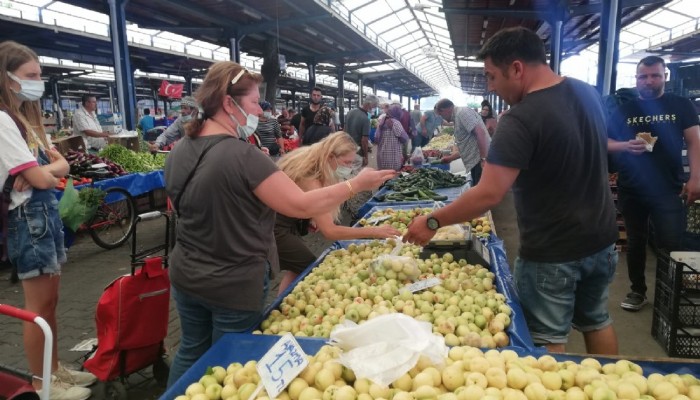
(555, 296)
(35, 236)
(202, 325)
(668, 215)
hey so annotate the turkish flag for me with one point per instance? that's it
(172, 90)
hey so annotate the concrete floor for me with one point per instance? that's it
(89, 269)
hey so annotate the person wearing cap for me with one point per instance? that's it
(188, 110)
(269, 131)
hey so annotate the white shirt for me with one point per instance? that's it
(85, 120)
(15, 157)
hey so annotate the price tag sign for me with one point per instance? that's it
(422, 285)
(281, 364)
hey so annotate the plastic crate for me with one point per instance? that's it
(680, 271)
(676, 341)
(679, 308)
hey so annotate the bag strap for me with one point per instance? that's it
(7, 186)
(218, 140)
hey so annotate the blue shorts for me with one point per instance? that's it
(557, 296)
(35, 239)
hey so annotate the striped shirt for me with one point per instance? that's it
(269, 131)
(466, 121)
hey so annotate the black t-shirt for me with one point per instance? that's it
(556, 138)
(308, 116)
(296, 121)
(661, 170)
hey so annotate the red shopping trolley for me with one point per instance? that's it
(15, 386)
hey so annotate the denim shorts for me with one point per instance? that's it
(557, 296)
(35, 239)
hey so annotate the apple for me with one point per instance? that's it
(404, 383)
(199, 396)
(425, 392)
(246, 390)
(308, 393)
(535, 391)
(229, 391)
(552, 380)
(575, 393)
(213, 391)
(496, 377)
(603, 393)
(516, 378)
(664, 390)
(453, 377)
(472, 392)
(295, 387)
(194, 388)
(208, 380)
(323, 379)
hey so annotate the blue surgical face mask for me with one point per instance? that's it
(343, 172)
(251, 123)
(30, 90)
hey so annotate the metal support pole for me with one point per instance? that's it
(609, 32)
(111, 97)
(235, 49)
(122, 66)
(360, 88)
(341, 93)
(188, 84)
(58, 112)
(555, 46)
(312, 75)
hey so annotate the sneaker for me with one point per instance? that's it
(74, 378)
(60, 390)
(633, 302)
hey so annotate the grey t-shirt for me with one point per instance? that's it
(225, 234)
(556, 137)
(357, 124)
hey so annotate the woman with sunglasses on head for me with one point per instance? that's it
(226, 193)
(34, 236)
(312, 167)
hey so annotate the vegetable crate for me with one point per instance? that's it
(676, 320)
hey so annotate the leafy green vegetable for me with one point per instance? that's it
(132, 161)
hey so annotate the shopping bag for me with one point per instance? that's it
(72, 210)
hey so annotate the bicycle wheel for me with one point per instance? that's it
(114, 220)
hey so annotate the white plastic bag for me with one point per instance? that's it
(417, 158)
(405, 267)
(384, 348)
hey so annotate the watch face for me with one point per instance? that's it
(433, 223)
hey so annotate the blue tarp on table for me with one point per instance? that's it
(136, 184)
(452, 193)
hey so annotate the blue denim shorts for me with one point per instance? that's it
(35, 239)
(557, 296)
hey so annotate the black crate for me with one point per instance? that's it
(676, 341)
(680, 277)
(681, 309)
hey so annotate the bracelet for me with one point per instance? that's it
(352, 192)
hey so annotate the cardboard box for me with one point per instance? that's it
(131, 143)
(65, 144)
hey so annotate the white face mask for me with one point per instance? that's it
(251, 123)
(267, 114)
(186, 118)
(343, 172)
(30, 90)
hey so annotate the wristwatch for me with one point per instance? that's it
(433, 224)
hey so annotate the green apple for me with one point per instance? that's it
(199, 396)
(213, 391)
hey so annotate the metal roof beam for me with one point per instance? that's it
(586, 9)
(76, 57)
(186, 30)
(271, 26)
(196, 11)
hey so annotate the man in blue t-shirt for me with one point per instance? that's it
(147, 122)
(553, 154)
(650, 172)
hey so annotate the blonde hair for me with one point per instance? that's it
(312, 162)
(216, 86)
(12, 56)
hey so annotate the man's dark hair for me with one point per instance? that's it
(317, 89)
(651, 60)
(87, 97)
(444, 104)
(511, 44)
(146, 111)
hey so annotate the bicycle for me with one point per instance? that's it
(114, 221)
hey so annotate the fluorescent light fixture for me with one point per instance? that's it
(251, 13)
(311, 31)
(73, 45)
(325, 39)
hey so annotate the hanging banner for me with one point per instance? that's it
(172, 90)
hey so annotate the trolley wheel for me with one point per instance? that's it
(114, 220)
(115, 390)
(161, 370)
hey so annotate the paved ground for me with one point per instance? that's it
(90, 269)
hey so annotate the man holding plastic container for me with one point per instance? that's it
(553, 154)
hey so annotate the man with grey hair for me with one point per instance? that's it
(188, 110)
(357, 126)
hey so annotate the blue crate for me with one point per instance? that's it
(240, 347)
(517, 331)
(452, 194)
(233, 347)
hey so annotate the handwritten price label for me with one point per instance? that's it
(422, 285)
(281, 364)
